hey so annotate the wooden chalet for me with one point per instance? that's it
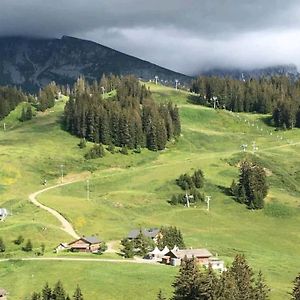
(202, 256)
(85, 244)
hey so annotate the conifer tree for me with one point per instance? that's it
(252, 187)
(128, 248)
(2, 245)
(186, 284)
(296, 289)
(198, 179)
(243, 276)
(160, 296)
(46, 292)
(59, 292)
(23, 115)
(36, 296)
(77, 294)
(227, 289)
(29, 114)
(261, 290)
(28, 246)
(208, 284)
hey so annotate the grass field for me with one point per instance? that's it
(132, 191)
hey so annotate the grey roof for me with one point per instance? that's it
(148, 232)
(91, 239)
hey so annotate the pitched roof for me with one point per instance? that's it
(91, 239)
(88, 239)
(148, 232)
(190, 253)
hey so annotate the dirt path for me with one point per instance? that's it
(65, 224)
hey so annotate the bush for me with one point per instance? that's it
(28, 246)
(19, 240)
(96, 152)
(111, 148)
(124, 150)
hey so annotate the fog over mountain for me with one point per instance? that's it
(189, 36)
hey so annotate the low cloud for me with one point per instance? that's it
(188, 36)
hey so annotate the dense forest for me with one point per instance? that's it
(9, 99)
(129, 118)
(277, 95)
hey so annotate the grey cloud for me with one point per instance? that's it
(186, 35)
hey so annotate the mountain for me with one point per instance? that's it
(32, 63)
(280, 70)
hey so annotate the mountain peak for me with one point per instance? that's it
(34, 62)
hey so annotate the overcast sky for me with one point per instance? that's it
(185, 35)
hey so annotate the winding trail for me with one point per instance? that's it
(65, 224)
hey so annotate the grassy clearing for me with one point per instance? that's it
(100, 281)
(132, 191)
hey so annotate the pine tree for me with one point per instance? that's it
(243, 276)
(208, 284)
(296, 289)
(253, 186)
(261, 291)
(160, 296)
(198, 179)
(82, 143)
(36, 296)
(77, 294)
(227, 289)
(186, 284)
(128, 248)
(143, 244)
(19, 240)
(59, 292)
(46, 292)
(29, 113)
(23, 115)
(28, 246)
(2, 245)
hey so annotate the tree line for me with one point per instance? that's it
(56, 293)
(278, 95)
(239, 282)
(10, 97)
(130, 118)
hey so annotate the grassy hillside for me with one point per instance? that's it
(132, 191)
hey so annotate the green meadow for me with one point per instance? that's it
(131, 191)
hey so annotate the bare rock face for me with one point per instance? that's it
(31, 63)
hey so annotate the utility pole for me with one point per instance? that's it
(208, 198)
(62, 173)
(215, 99)
(176, 84)
(255, 148)
(103, 90)
(88, 189)
(187, 199)
(4, 126)
(156, 79)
